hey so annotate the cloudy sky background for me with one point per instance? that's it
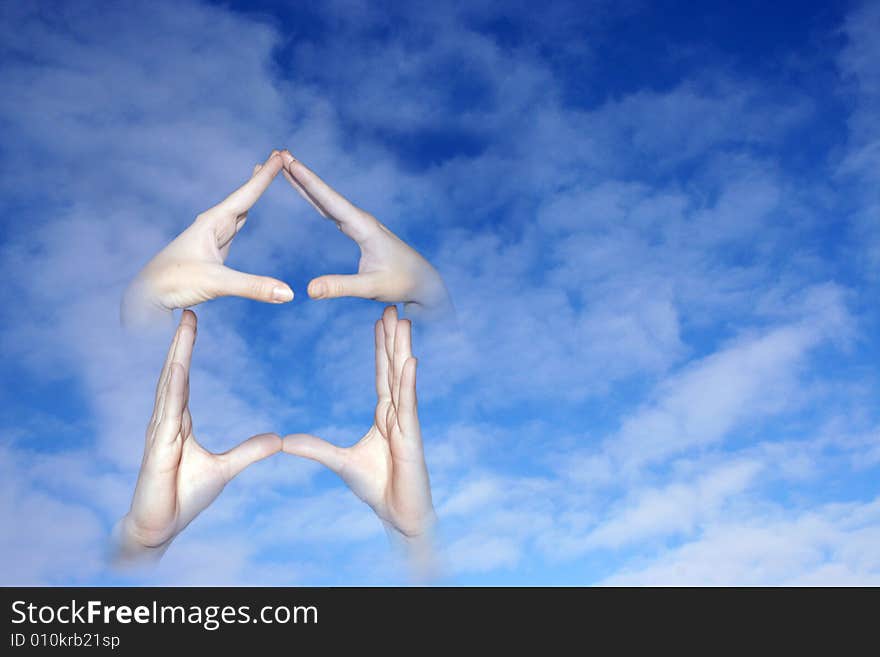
(660, 227)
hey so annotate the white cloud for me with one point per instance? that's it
(471, 497)
(46, 538)
(834, 544)
(477, 554)
(677, 507)
(632, 330)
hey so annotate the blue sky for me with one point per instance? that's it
(659, 225)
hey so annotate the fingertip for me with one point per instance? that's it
(402, 341)
(305, 178)
(282, 293)
(317, 289)
(275, 161)
(389, 317)
(188, 323)
(256, 448)
(272, 440)
(389, 328)
(227, 282)
(188, 317)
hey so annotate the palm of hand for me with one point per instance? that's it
(199, 477)
(178, 477)
(373, 472)
(396, 271)
(389, 269)
(197, 256)
(386, 468)
(190, 269)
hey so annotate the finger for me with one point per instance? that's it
(287, 159)
(185, 344)
(383, 391)
(157, 482)
(356, 223)
(162, 383)
(389, 321)
(223, 281)
(241, 219)
(250, 451)
(172, 412)
(316, 449)
(333, 286)
(302, 192)
(184, 338)
(402, 351)
(407, 405)
(230, 224)
(186, 424)
(239, 222)
(243, 198)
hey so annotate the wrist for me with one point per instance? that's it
(139, 309)
(418, 546)
(433, 302)
(128, 550)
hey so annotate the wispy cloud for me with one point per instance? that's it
(665, 315)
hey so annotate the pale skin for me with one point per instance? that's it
(389, 269)
(190, 269)
(386, 468)
(178, 478)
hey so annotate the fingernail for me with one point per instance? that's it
(282, 294)
(287, 158)
(317, 290)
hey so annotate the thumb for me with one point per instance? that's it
(316, 449)
(228, 282)
(365, 286)
(250, 451)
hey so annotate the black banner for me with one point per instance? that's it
(129, 620)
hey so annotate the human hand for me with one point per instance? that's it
(389, 269)
(386, 468)
(190, 269)
(178, 477)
